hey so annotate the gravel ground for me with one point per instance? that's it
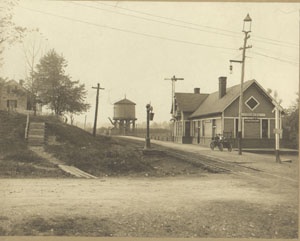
(210, 205)
(174, 199)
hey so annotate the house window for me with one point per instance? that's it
(252, 103)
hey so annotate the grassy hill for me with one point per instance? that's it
(16, 160)
(110, 156)
(99, 156)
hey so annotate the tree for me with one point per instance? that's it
(9, 31)
(291, 122)
(56, 89)
(33, 49)
(75, 101)
(275, 95)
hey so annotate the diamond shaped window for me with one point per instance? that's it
(252, 103)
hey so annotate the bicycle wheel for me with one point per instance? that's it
(220, 147)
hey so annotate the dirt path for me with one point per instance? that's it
(68, 169)
(219, 205)
(209, 206)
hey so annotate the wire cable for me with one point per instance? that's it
(271, 57)
(290, 57)
(287, 44)
(153, 20)
(126, 30)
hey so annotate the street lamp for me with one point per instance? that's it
(247, 24)
(246, 30)
(150, 115)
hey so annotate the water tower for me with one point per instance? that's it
(124, 117)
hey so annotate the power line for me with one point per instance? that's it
(167, 18)
(277, 43)
(150, 35)
(153, 20)
(271, 57)
(276, 53)
(126, 30)
(205, 26)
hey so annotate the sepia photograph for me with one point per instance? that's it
(149, 119)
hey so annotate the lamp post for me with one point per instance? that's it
(246, 30)
(150, 116)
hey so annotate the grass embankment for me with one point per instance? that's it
(108, 156)
(16, 160)
(99, 156)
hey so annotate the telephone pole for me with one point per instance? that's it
(96, 110)
(173, 79)
(246, 30)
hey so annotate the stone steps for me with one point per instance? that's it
(36, 134)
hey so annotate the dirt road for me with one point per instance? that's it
(213, 205)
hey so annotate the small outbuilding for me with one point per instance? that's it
(13, 96)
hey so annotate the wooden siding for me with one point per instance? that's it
(265, 105)
(252, 130)
(229, 125)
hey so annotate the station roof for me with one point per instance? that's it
(189, 102)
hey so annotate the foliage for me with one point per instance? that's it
(275, 95)
(16, 160)
(100, 155)
(9, 31)
(56, 89)
(291, 122)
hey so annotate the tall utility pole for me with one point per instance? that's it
(173, 79)
(246, 30)
(278, 131)
(96, 110)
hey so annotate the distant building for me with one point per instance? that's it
(13, 96)
(199, 117)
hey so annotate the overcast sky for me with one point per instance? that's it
(130, 47)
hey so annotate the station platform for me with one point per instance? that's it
(260, 159)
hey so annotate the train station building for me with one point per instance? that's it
(198, 116)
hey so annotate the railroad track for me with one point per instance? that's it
(214, 164)
(209, 163)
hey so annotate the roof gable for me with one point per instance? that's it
(213, 104)
(14, 83)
